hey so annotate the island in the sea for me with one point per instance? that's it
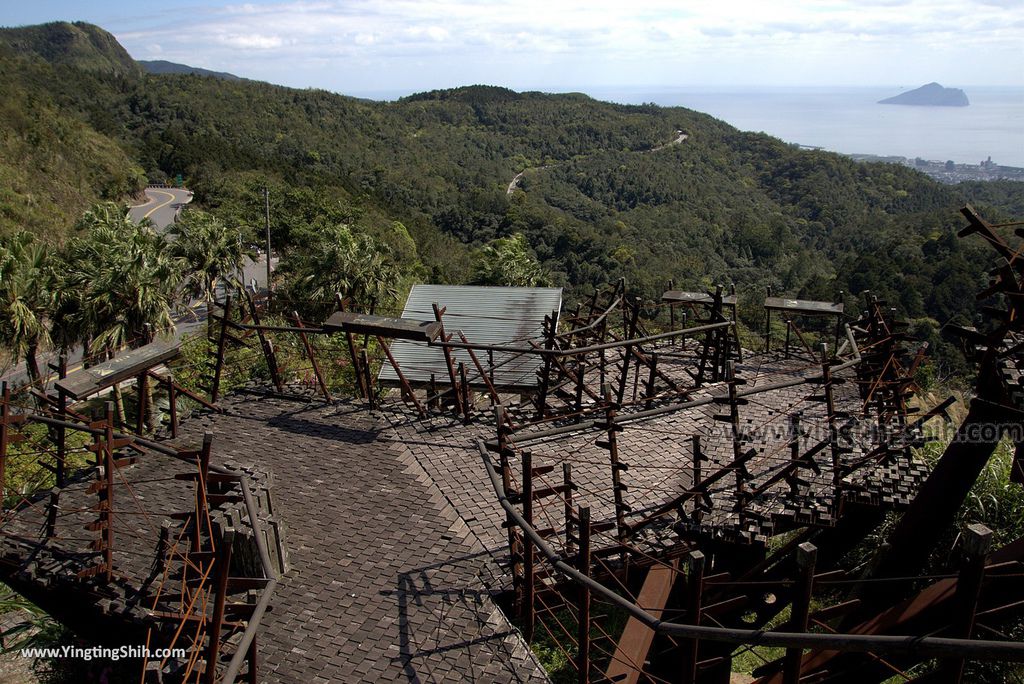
(930, 95)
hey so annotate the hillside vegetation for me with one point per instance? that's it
(603, 195)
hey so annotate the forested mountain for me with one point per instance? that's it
(608, 190)
(161, 66)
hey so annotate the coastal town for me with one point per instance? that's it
(949, 171)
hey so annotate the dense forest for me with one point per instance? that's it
(608, 190)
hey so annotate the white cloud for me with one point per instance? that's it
(360, 44)
(251, 41)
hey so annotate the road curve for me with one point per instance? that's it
(514, 185)
(163, 206)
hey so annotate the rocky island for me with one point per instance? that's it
(930, 95)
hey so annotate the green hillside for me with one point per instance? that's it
(161, 66)
(78, 44)
(53, 163)
(608, 190)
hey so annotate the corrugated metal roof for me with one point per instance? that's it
(486, 315)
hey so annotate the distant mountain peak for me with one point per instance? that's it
(77, 44)
(930, 95)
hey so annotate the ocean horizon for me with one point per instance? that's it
(848, 120)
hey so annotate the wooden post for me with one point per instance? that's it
(833, 432)
(464, 387)
(806, 556)
(202, 489)
(694, 594)
(976, 540)
(794, 437)
(504, 454)
(141, 390)
(364, 362)
(570, 524)
(527, 609)
(406, 387)
(350, 338)
(487, 379)
(373, 310)
(735, 333)
(312, 359)
(768, 325)
(221, 346)
(220, 589)
(627, 357)
(545, 378)
(449, 362)
(720, 335)
(672, 307)
(840, 296)
(789, 334)
(698, 456)
(581, 372)
(265, 343)
(172, 399)
(583, 631)
(734, 422)
(650, 380)
(613, 453)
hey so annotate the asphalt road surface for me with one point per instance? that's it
(163, 206)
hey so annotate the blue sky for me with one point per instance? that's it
(364, 46)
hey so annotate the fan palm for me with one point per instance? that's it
(212, 252)
(119, 285)
(336, 260)
(26, 298)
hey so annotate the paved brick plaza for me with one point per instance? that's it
(385, 580)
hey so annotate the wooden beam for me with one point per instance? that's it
(397, 328)
(631, 653)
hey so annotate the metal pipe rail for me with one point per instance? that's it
(594, 323)
(626, 418)
(585, 350)
(906, 645)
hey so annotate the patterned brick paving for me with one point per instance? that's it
(659, 454)
(384, 582)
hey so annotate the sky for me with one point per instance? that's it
(404, 46)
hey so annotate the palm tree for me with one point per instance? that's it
(212, 252)
(508, 261)
(26, 299)
(119, 285)
(336, 260)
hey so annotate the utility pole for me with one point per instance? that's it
(266, 206)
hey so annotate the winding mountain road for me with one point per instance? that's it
(163, 206)
(680, 137)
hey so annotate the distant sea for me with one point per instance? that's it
(849, 120)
